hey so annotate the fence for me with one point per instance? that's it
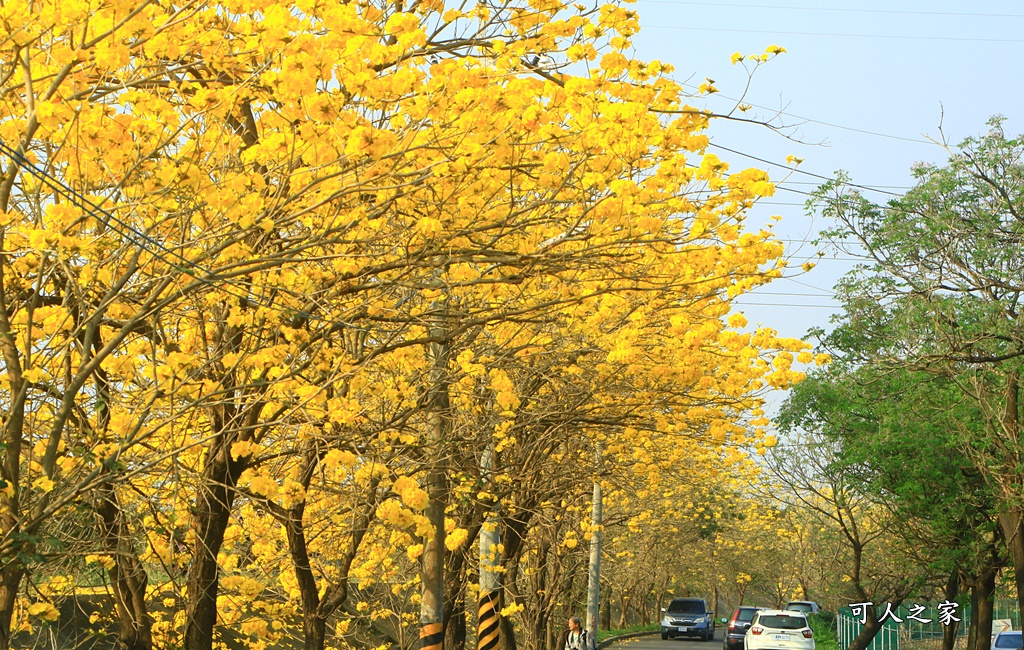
(848, 627)
(893, 634)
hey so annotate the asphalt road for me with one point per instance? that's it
(654, 642)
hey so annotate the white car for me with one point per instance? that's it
(779, 629)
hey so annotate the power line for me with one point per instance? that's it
(800, 171)
(836, 9)
(738, 303)
(91, 208)
(823, 123)
(836, 35)
(131, 233)
(809, 286)
(757, 292)
(891, 187)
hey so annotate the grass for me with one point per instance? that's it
(607, 634)
(824, 633)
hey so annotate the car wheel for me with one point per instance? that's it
(711, 636)
(704, 636)
(664, 636)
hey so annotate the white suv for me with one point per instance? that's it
(779, 629)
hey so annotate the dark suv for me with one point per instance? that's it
(688, 617)
(738, 626)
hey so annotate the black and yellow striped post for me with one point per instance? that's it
(431, 636)
(488, 630)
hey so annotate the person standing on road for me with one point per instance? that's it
(577, 639)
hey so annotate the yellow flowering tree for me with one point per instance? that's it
(275, 275)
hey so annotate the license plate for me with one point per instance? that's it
(781, 637)
(682, 629)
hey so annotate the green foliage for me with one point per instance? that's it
(824, 627)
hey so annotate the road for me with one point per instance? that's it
(654, 642)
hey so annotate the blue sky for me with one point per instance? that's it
(895, 69)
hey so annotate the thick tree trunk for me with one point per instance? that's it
(127, 576)
(10, 470)
(1012, 525)
(10, 581)
(868, 632)
(314, 626)
(951, 591)
(210, 520)
(1012, 520)
(981, 615)
(457, 636)
(507, 634)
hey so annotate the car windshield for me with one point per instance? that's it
(686, 607)
(1012, 640)
(746, 615)
(798, 607)
(783, 622)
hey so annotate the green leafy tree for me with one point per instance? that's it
(941, 294)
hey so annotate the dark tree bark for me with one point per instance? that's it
(951, 591)
(128, 578)
(211, 516)
(981, 615)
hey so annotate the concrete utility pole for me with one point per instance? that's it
(432, 562)
(594, 575)
(488, 634)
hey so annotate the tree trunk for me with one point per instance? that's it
(981, 616)
(951, 591)
(507, 633)
(972, 629)
(210, 520)
(1012, 520)
(868, 632)
(455, 627)
(127, 576)
(10, 581)
(10, 470)
(1012, 525)
(515, 527)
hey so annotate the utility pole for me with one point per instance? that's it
(432, 564)
(488, 634)
(594, 574)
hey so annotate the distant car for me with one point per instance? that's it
(738, 626)
(808, 607)
(1008, 641)
(776, 629)
(688, 617)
